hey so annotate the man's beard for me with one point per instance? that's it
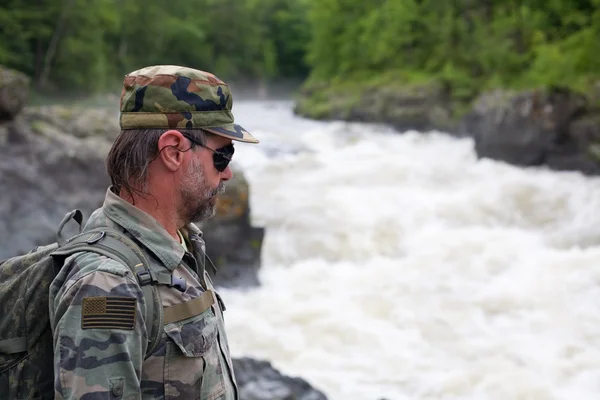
(199, 201)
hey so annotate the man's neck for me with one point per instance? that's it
(161, 208)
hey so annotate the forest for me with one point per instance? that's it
(469, 45)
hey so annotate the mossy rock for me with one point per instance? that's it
(384, 100)
(585, 131)
(234, 203)
(77, 121)
(594, 152)
(326, 103)
(14, 93)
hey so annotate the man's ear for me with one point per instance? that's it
(171, 147)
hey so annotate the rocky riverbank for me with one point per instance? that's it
(553, 127)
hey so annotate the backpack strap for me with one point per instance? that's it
(76, 215)
(117, 246)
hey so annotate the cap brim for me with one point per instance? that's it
(233, 132)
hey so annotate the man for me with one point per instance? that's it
(167, 167)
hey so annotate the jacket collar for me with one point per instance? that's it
(146, 229)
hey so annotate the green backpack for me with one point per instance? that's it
(26, 343)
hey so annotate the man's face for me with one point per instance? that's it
(202, 183)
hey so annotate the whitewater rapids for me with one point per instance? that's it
(401, 267)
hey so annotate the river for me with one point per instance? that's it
(401, 267)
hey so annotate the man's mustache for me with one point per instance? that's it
(218, 190)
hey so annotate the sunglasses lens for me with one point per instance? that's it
(222, 157)
(220, 162)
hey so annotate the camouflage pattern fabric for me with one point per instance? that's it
(97, 313)
(24, 284)
(171, 97)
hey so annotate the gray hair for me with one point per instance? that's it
(131, 154)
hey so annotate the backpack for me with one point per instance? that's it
(26, 341)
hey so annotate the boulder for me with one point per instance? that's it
(14, 93)
(554, 127)
(77, 121)
(44, 173)
(580, 151)
(418, 106)
(422, 106)
(258, 380)
(234, 245)
(52, 161)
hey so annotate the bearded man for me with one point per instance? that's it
(167, 167)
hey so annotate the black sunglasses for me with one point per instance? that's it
(221, 156)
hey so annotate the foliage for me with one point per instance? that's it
(468, 45)
(87, 45)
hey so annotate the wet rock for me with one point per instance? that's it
(422, 106)
(14, 93)
(258, 380)
(581, 149)
(234, 244)
(554, 127)
(44, 173)
(419, 107)
(77, 121)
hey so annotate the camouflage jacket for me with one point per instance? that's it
(104, 357)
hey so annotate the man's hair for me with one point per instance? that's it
(131, 154)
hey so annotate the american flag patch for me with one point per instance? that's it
(108, 313)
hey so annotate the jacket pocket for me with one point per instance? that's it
(193, 369)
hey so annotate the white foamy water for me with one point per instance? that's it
(401, 267)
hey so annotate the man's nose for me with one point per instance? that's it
(227, 174)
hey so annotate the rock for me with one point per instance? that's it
(523, 128)
(258, 380)
(14, 93)
(50, 164)
(77, 121)
(423, 106)
(43, 175)
(581, 149)
(234, 243)
(593, 93)
(418, 107)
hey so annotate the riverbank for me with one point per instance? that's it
(554, 127)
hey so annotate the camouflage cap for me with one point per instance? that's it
(171, 97)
